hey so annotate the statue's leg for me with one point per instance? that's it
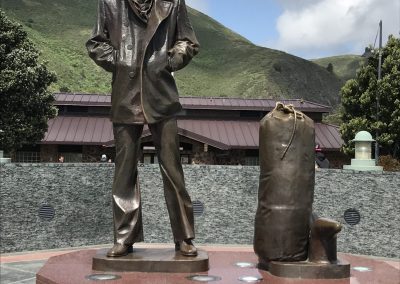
(179, 204)
(127, 213)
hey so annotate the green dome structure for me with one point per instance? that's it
(363, 161)
(363, 136)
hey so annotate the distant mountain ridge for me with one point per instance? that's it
(228, 64)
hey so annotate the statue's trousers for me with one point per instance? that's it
(126, 193)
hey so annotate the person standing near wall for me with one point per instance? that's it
(320, 160)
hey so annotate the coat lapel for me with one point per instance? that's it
(160, 11)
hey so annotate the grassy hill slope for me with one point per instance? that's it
(344, 66)
(228, 64)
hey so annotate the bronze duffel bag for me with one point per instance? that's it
(286, 188)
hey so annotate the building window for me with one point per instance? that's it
(147, 159)
(71, 153)
(185, 159)
(72, 157)
(27, 157)
(252, 161)
(150, 158)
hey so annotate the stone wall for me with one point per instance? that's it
(81, 197)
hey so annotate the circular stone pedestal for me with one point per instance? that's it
(151, 260)
(76, 268)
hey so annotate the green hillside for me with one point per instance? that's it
(228, 64)
(344, 66)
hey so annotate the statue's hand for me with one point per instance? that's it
(180, 55)
(175, 61)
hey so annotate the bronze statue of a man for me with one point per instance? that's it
(141, 42)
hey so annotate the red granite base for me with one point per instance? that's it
(74, 267)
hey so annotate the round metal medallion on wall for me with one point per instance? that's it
(198, 208)
(46, 212)
(352, 216)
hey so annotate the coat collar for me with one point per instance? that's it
(134, 7)
(161, 10)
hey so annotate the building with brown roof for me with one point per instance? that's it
(211, 130)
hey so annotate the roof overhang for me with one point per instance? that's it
(198, 103)
(220, 134)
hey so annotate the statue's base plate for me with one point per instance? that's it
(308, 270)
(151, 260)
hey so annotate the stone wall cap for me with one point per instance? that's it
(205, 167)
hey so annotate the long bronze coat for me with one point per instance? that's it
(142, 56)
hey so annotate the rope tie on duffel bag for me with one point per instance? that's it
(289, 109)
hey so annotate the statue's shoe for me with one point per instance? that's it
(186, 248)
(119, 250)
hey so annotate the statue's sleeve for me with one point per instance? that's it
(99, 46)
(186, 45)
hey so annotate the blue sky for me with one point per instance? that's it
(306, 28)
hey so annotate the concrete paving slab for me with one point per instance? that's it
(28, 281)
(29, 266)
(10, 275)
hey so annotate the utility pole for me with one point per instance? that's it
(377, 94)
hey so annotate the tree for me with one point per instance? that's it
(25, 103)
(359, 101)
(329, 68)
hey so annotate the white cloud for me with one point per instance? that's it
(313, 28)
(200, 5)
(297, 4)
